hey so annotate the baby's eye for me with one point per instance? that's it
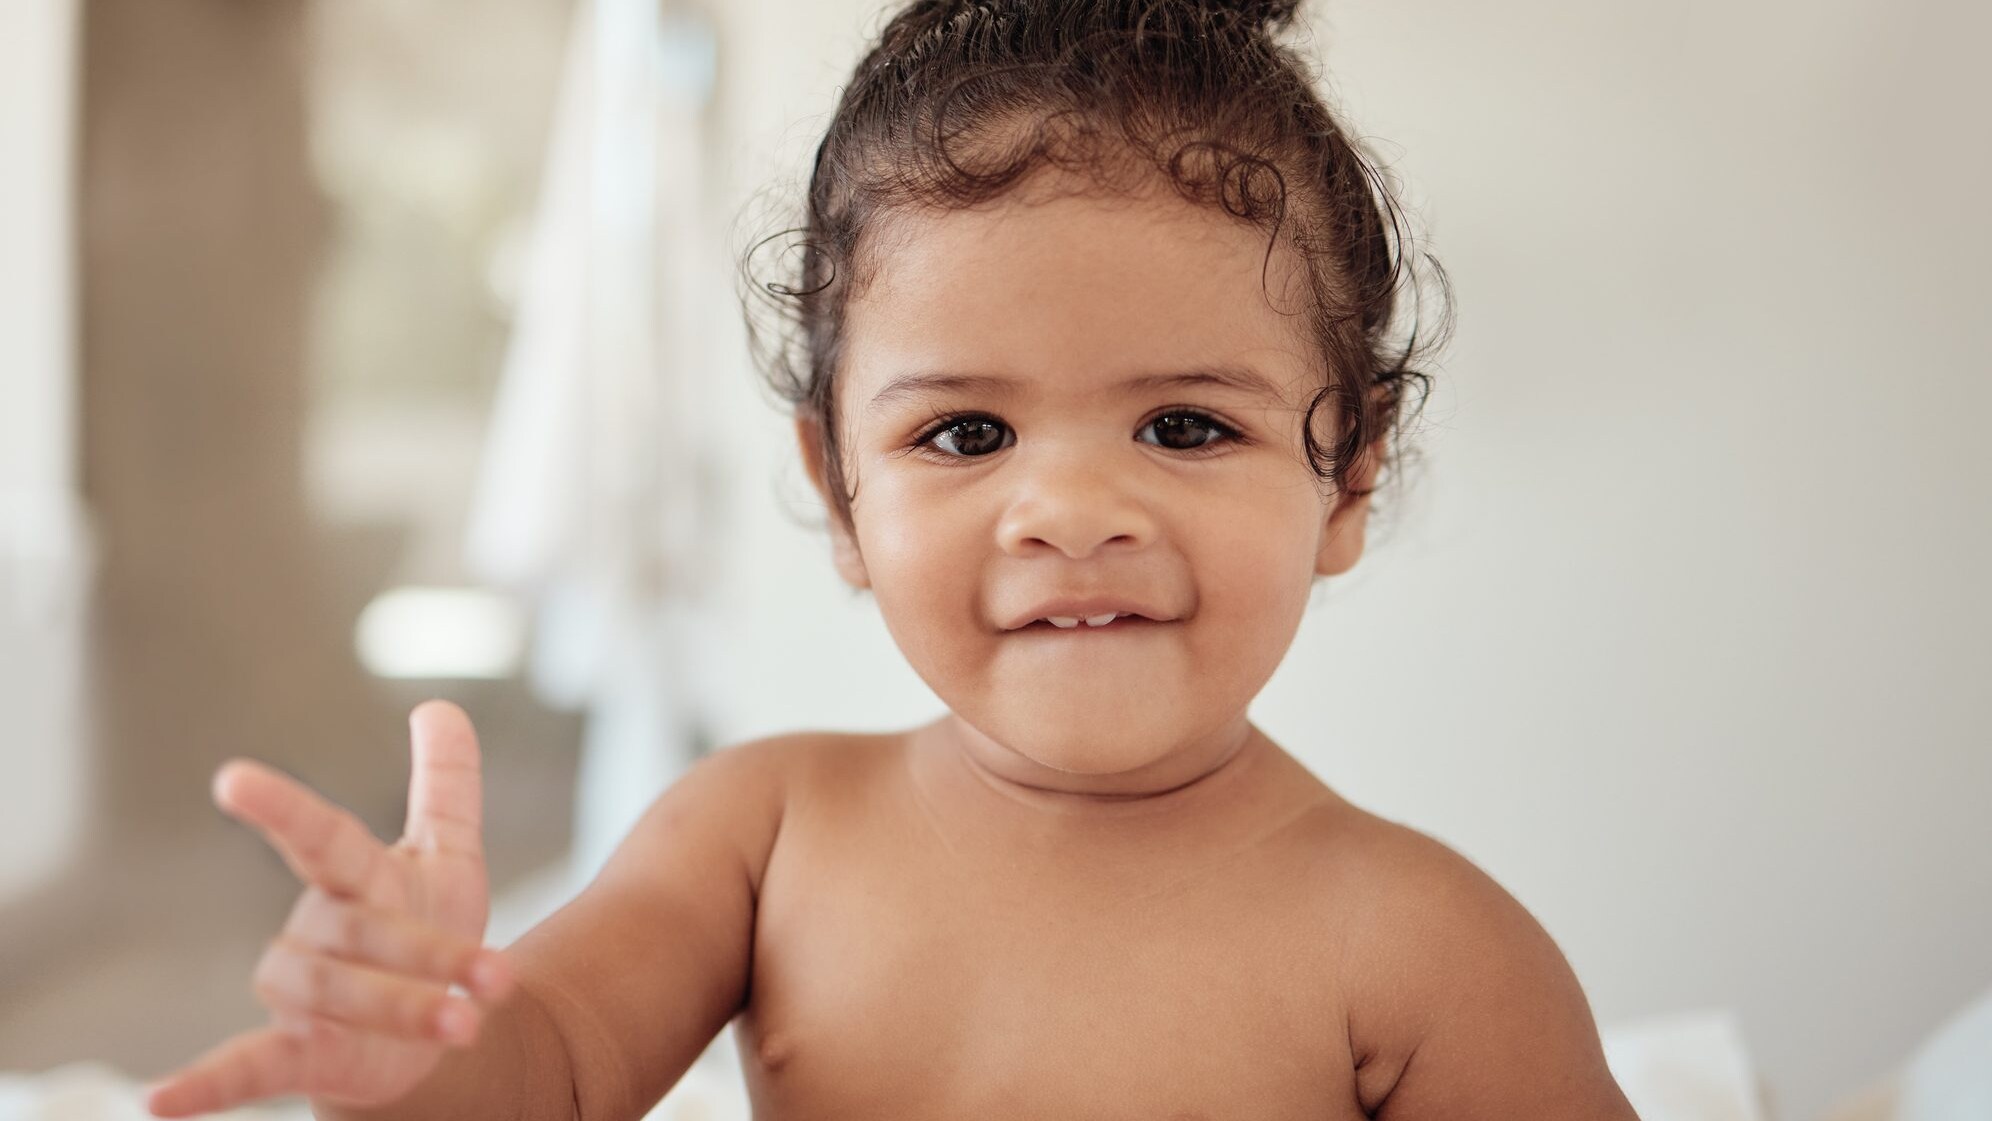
(970, 437)
(1187, 431)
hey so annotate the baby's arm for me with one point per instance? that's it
(1466, 1010)
(642, 969)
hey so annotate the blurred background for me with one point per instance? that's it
(354, 352)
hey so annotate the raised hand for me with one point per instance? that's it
(357, 983)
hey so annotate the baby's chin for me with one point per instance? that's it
(1099, 741)
(1091, 757)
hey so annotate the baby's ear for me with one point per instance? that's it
(1342, 531)
(843, 544)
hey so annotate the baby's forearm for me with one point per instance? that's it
(518, 1069)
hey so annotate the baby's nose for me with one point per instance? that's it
(1074, 510)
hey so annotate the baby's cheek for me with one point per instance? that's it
(931, 603)
(1263, 565)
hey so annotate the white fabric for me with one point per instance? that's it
(1685, 1066)
(588, 503)
(1689, 1066)
(46, 547)
(1948, 1078)
(47, 558)
(93, 1091)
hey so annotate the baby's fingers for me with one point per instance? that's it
(297, 982)
(324, 844)
(396, 943)
(251, 1066)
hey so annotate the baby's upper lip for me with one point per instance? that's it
(1082, 607)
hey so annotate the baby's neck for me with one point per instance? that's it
(958, 765)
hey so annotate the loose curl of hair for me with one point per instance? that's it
(959, 101)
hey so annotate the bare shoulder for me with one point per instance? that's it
(1460, 1004)
(1411, 881)
(756, 783)
(752, 783)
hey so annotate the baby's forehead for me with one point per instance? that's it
(1078, 281)
(1152, 223)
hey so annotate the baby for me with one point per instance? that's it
(1091, 366)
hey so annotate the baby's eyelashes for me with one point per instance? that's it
(971, 438)
(1178, 424)
(976, 435)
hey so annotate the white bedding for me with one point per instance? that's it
(93, 1091)
(1689, 1066)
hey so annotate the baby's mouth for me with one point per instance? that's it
(1107, 622)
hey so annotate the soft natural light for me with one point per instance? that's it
(440, 633)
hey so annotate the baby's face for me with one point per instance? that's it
(1087, 400)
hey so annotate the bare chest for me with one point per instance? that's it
(902, 969)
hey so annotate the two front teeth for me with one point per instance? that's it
(1067, 622)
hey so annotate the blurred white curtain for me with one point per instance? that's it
(591, 501)
(46, 546)
(588, 500)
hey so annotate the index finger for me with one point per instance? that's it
(323, 843)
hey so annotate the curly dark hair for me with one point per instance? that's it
(958, 101)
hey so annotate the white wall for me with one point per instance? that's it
(1684, 640)
(42, 540)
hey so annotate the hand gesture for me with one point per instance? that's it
(358, 981)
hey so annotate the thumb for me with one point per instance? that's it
(445, 782)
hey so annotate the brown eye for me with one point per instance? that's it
(1181, 431)
(976, 436)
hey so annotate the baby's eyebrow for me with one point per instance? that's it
(920, 382)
